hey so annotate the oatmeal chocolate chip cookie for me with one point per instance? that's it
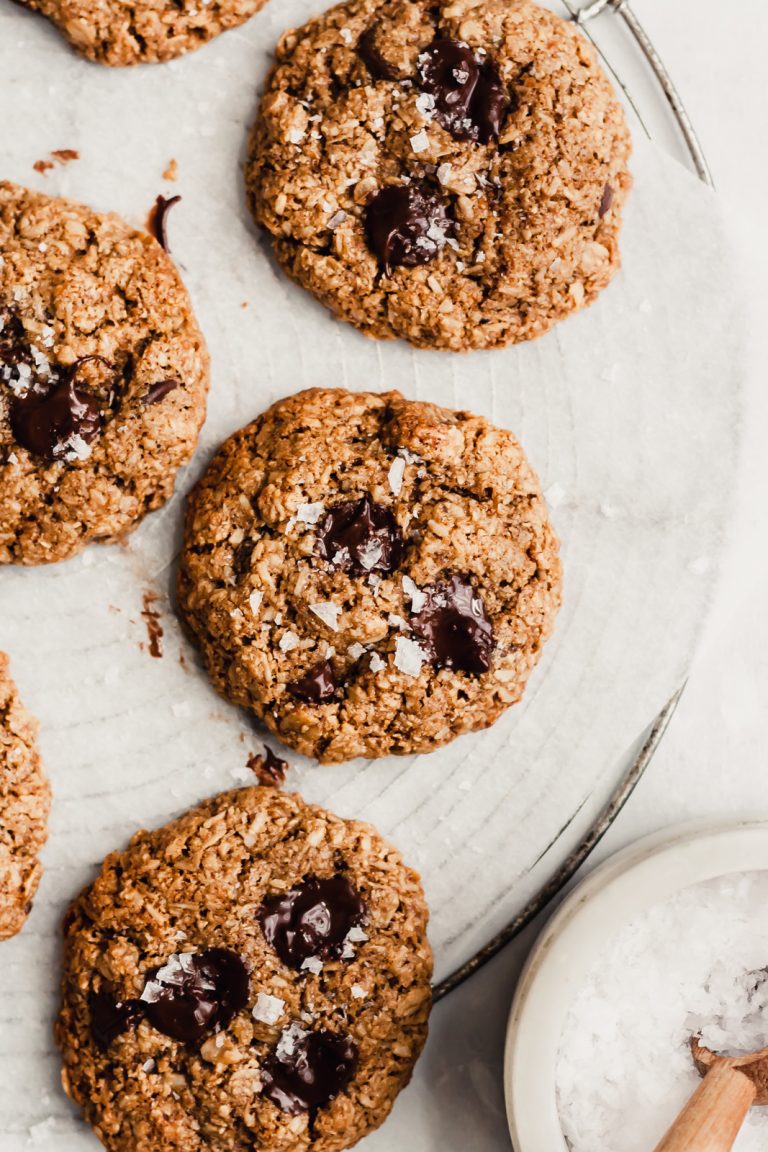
(25, 800)
(450, 173)
(368, 574)
(144, 31)
(254, 975)
(103, 376)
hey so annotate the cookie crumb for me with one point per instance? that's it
(65, 155)
(42, 166)
(172, 171)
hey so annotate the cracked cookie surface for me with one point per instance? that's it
(103, 376)
(118, 33)
(217, 959)
(370, 575)
(498, 123)
(25, 800)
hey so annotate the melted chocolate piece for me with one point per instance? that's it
(269, 768)
(312, 919)
(360, 536)
(376, 64)
(317, 685)
(196, 992)
(57, 423)
(157, 219)
(470, 97)
(308, 1069)
(157, 392)
(110, 1017)
(406, 224)
(454, 627)
(605, 201)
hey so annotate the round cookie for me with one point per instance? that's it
(448, 173)
(25, 800)
(103, 376)
(368, 574)
(145, 31)
(254, 975)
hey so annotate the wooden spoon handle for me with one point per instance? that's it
(711, 1119)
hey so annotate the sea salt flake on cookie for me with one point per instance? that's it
(417, 597)
(311, 513)
(268, 1009)
(328, 612)
(409, 656)
(396, 474)
(288, 641)
(376, 663)
(312, 964)
(254, 600)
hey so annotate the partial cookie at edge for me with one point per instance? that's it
(103, 376)
(25, 799)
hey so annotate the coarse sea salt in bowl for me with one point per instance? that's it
(666, 940)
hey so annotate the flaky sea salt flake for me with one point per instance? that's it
(268, 1009)
(328, 612)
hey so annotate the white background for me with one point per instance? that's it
(713, 759)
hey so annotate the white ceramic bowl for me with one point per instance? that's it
(621, 888)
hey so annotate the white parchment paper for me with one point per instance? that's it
(628, 411)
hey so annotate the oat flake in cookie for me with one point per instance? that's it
(450, 173)
(25, 799)
(144, 31)
(254, 975)
(370, 575)
(103, 376)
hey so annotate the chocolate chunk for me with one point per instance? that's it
(111, 1017)
(454, 627)
(368, 51)
(57, 424)
(269, 768)
(360, 536)
(157, 219)
(470, 97)
(196, 992)
(312, 919)
(606, 201)
(406, 224)
(308, 1069)
(157, 392)
(317, 685)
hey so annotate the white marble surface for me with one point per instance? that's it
(713, 757)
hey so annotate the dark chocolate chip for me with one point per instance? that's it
(470, 97)
(308, 1069)
(360, 536)
(157, 392)
(196, 992)
(111, 1017)
(268, 767)
(606, 201)
(317, 685)
(157, 219)
(454, 626)
(406, 224)
(312, 919)
(377, 65)
(55, 425)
